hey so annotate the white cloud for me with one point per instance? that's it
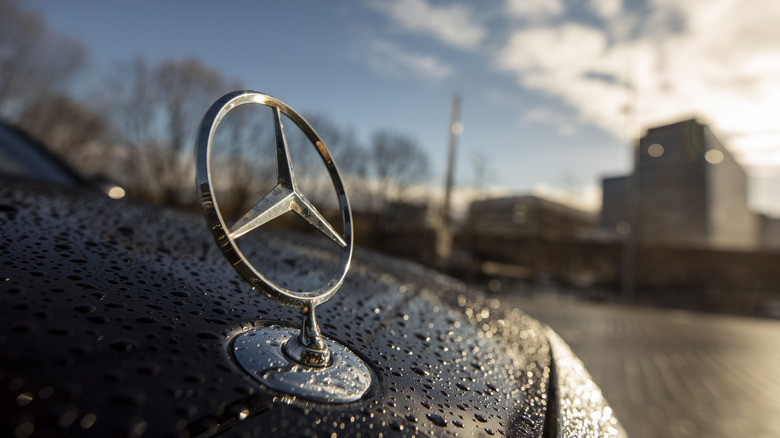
(606, 8)
(534, 10)
(562, 123)
(715, 58)
(568, 62)
(451, 24)
(389, 59)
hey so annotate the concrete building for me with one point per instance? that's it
(770, 232)
(528, 216)
(614, 205)
(686, 190)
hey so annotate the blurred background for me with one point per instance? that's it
(610, 166)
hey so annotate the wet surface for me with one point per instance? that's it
(673, 373)
(117, 320)
(582, 410)
(260, 353)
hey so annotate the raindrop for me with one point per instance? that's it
(97, 319)
(207, 335)
(423, 337)
(420, 371)
(123, 344)
(186, 410)
(115, 305)
(81, 349)
(23, 328)
(68, 417)
(61, 331)
(194, 378)
(84, 308)
(88, 421)
(24, 399)
(129, 397)
(24, 430)
(437, 419)
(149, 369)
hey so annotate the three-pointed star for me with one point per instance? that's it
(285, 196)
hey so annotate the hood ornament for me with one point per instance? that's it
(305, 363)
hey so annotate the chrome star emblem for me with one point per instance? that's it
(284, 197)
(308, 347)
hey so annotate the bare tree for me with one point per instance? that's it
(71, 130)
(37, 70)
(156, 111)
(243, 151)
(348, 153)
(398, 162)
(483, 173)
(34, 63)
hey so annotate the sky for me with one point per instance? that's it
(554, 92)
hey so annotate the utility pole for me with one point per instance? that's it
(631, 238)
(444, 234)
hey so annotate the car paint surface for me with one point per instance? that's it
(118, 320)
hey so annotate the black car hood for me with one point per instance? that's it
(117, 320)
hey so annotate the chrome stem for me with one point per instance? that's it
(308, 348)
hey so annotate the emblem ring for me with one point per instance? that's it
(226, 239)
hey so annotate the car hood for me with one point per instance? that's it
(118, 320)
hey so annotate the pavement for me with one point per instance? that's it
(670, 373)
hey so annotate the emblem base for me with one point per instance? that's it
(260, 352)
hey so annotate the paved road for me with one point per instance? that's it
(673, 373)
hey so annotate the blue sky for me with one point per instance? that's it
(543, 82)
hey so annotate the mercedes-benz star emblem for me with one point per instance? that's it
(279, 357)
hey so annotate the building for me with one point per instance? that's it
(614, 205)
(687, 190)
(527, 216)
(529, 238)
(770, 232)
